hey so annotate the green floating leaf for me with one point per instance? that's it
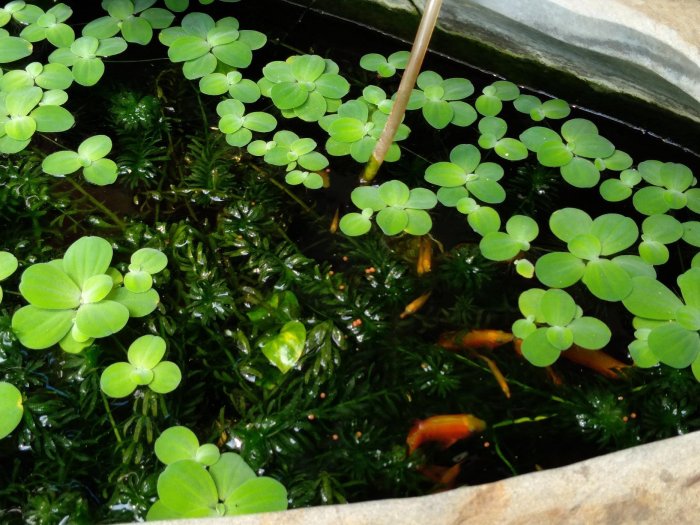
(261, 494)
(176, 444)
(538, 350)
(674, 345)
(11, 408)
(285, 349)
(590, 333)
(8, 264)
(229, 473)
(186, 487)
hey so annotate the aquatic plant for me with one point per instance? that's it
(76, 299)
(145, 368)
(227, 486)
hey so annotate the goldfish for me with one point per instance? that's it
(444, 476)
(597, 360)
(425, 255)
(335, 221)
(601, 362)
(474, 339)
(415, 305)
(444, 429)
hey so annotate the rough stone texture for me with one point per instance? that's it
(649, 49)
(657, 483)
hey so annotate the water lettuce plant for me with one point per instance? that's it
(589, 242)
(200, 43)
(355, 130)
(305, 86)
(76, 299)
(199, 482)
(399, 209)
(441, 100)
(667, 326)
(385, 67)
(145, 367)
(553, 323)
(90, 157)
(571, 151)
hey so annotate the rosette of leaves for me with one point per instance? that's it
(565, 326)
(385, 67)
(304, 86)
(671, 188)
(667, 326)
(376, 98)
(657, 232)
(74, 300)
(503, 246)
(571, 153)
(441, 100)
(354, 131)
(398, 208)
(493, 130)
(308, 179)
(466, 175)
(21, 12)
(619, 189)
(200, 482)
(145, 263)
(287, 149)
(8, 266)
(11, 408)
(590, 242)
(490, 102)
(50, 26)
(200, 43)
(90, 157)
(46, 76)
(552, 109)
(238, 126)
(145, 367)
(23, 112)
(136, 19)
(84, 57)
(233, 83)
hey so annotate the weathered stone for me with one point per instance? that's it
(649, 49)
(655, 483)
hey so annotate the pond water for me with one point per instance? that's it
(247, 253)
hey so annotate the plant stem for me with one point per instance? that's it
(111, 418)
(408, 80)
(104, 209)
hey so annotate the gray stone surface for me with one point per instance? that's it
(657, 483)
(649, 49)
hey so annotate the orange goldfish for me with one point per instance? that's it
(445, 429)
(415, 305)
(474, 339)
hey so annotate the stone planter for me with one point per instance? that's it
(648, 51)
